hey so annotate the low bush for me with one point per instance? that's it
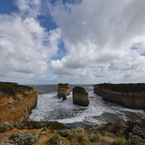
(134, 142)
(57, 140)
(6, 126)
(65, 132)
(79, 138)
(20, 139)
(56, 126)
(31, 125)
(93, 137)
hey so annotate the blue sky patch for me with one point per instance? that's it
(8, 6)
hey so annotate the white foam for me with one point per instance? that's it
(50, 108)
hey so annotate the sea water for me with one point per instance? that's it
(51, 108)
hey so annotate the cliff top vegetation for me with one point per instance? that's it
(139, 87)
(11, 89)
(61, 85)
(79, 89)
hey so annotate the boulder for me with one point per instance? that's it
(63, 90)
(80, 96)
(16, 102)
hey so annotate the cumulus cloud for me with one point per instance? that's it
(103, 41)
(103, 38)
(26, 47)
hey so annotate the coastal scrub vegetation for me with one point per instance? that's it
(8, 88)
(131, 132)
(139, 87)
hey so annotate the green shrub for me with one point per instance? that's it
(93, 137)
(20, 139)
(6, 126)
(56, 126)
(79, 138)
(134, 142)
(65, 132)
(31, 125)
(56, 140)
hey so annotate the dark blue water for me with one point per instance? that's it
(51, 108)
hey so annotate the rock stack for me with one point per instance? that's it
(63, 90)
(80, 96)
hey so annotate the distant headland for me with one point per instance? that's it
(127, 95)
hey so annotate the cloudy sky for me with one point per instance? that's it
(73, 41)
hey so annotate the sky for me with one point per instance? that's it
(72, 41)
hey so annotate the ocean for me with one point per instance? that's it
(51, 108)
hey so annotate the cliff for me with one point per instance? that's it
(127, 95)
(80, 96)
(16, 102)
(63, 90)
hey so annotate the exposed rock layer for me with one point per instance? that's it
(80, 96)
(134, 99)
(16, 102)
(63, 90)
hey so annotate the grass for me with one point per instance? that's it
(57, 140)
(79, 138)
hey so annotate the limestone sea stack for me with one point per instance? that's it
(80, 96)
(16, 102)
(63, 90)
(127, 95)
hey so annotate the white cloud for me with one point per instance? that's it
(26, 48)
(102, 33)
(104, 41)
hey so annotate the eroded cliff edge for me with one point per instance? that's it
(16, 102)
(127, 95)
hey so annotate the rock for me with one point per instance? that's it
(80, 96)
(16, 102)
(129, 98)
(63, 90)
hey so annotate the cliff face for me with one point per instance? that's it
(63, 90)
(80, 96)
(134, 100)
(16, 102)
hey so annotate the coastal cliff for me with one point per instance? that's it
(16, 102)
(127, 95)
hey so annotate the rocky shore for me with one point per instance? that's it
(127, 95)
(16, 102)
